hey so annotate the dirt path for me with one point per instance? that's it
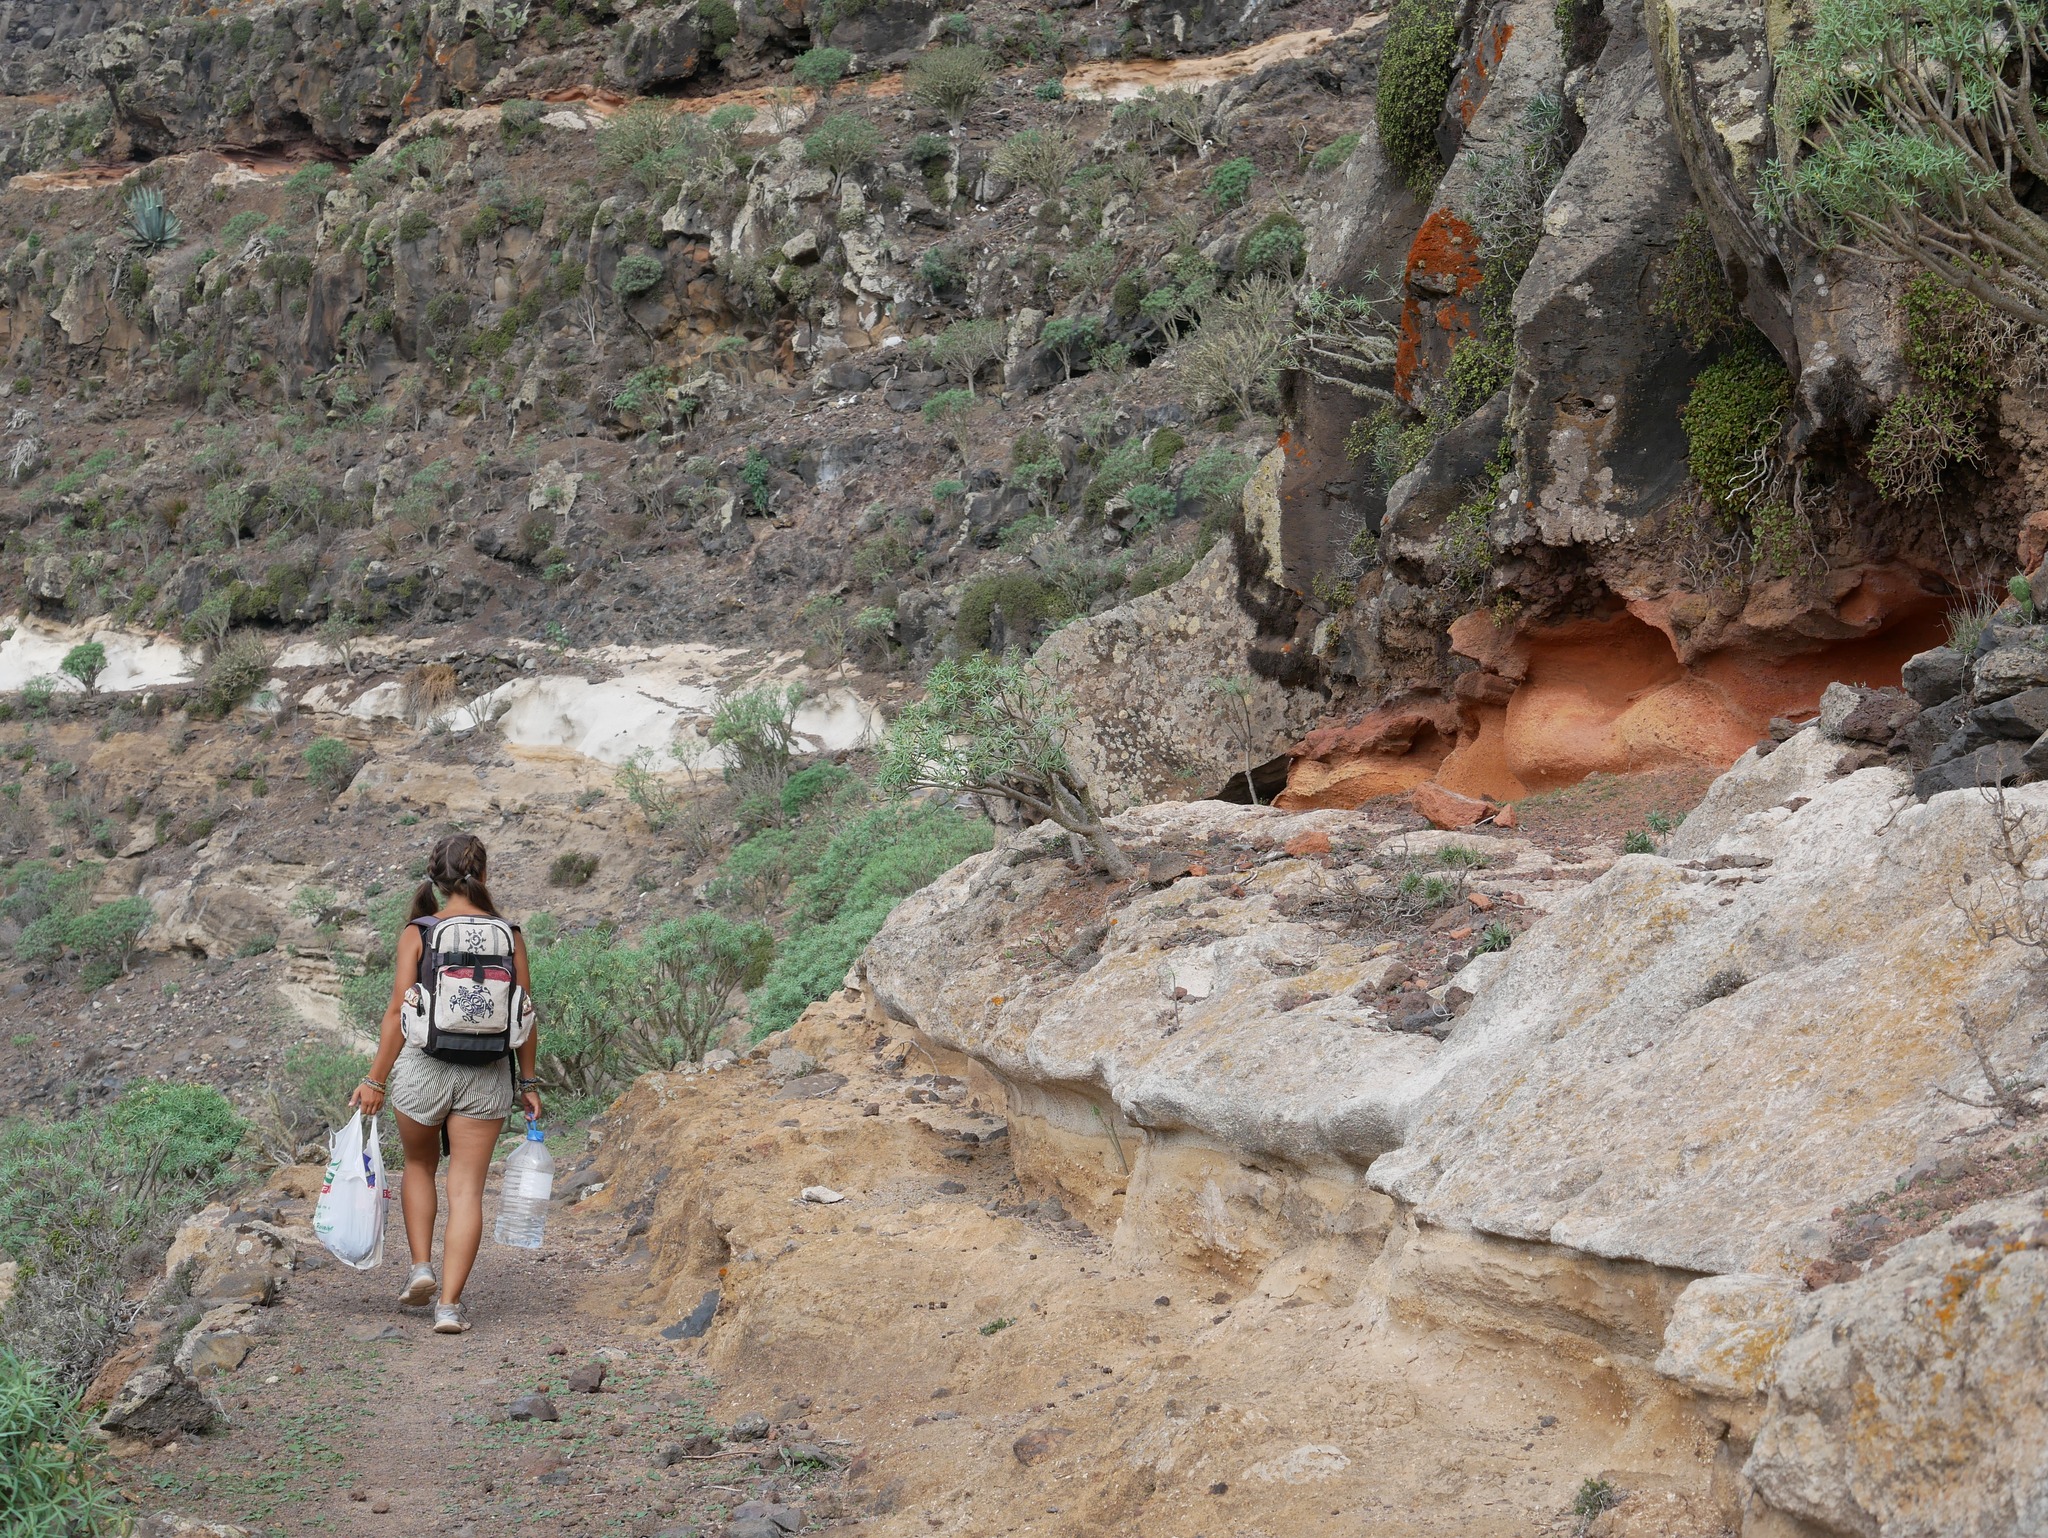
(353, 1418)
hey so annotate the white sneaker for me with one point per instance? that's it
(419, 1287)
(450, 1319)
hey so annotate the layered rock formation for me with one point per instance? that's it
(1691, 1064)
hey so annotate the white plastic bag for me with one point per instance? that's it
(350, 1216)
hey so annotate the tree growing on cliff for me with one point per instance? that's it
(85, 662)
(1915, 132)
(998, 729)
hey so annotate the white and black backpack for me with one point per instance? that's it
(467, 1006)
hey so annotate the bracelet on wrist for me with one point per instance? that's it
(529, 1084)
(376, 1084)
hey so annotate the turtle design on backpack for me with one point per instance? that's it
(467, 1006)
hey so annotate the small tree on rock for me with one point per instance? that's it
(85, 662)
(997, 729)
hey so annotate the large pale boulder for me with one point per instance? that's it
(1908, 1403)
(1217, 1005)
(1694, 1062)
(1151, 722)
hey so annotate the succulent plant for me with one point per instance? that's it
(152, 227)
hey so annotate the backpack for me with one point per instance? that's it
(467, 1006)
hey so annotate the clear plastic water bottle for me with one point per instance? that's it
(523, 1199)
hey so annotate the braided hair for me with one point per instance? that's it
(456, 869)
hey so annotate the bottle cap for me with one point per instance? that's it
(533, 1132)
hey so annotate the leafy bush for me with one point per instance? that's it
(950, 80)
(1274, 245)
(757, 731)
(844, 140)
(308, 185)
(519, 121)
(1897, 128)
(966, 347)
(939, 269)
(657, 800)
(586, 987)
(1025, 602)
(1231, 182)
(1416, 65)
(51, 1482)
(237, 670)
(1731, 419)
(79, 1196)
(696, 969)
(636, 273)
(808, 786)
(821, 68)
(878, 859)
(1693, 292)
(1333, 154)
(236, 232)
(1039, 158)
(1952, 344)
(571, 869)
(85, 662)
(331, 763)
(948, 405)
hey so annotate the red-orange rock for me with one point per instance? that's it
(1446, 808)
(1480, 900)
(1307, 843)
(1506, 818)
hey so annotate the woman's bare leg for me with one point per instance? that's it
(469, 1159)
(422, 1146)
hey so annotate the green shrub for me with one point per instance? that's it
(586, 988)
(234, 235)
(85, 662)
(844, 140)
(696, 969)
(1952, 345)
(950, 80)
(51, 1480)
(308, 185)
(939, 269)
(636, 273)
(821, 68)
(878, 859)
(754, 475)
(1416, 66)
(1732, 417)
(929, 150)
(808, 786)
(757, 732)
(233, 673)
(1025, 601)
(331, 763)
(1693, 292)
(572, 869)
(1919, 436)
(1333, 154)
(948, 405)
(78, 1197)
(1276, 245)
(519, 121)
(1231, 182)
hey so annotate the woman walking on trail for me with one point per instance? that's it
(457, 1043)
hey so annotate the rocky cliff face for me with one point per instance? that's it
(1720, 1064)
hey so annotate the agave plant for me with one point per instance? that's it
(152, 227)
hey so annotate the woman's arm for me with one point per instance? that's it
(529, 1050)
(369, 1095)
